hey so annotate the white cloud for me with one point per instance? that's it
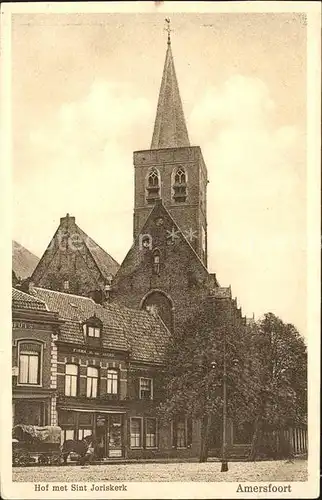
(256, 196)
(82, 164)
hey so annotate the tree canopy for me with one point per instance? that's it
(266, 372)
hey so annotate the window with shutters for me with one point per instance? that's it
(71, 380)
(30, 360)
(146, 388)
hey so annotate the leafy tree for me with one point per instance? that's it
(194, 373)
(281, 400)
(266, 374)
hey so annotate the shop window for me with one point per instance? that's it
(67, 434)
(146, 388)
(92, 382)
(82, 433)
(150, 433)
(136, 432)
(71, 380)
(112, 382)
(30, 363)
(153, 186)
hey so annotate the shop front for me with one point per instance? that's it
(31, 407)
(106, 427)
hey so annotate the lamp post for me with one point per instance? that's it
(235, 362)
(224, 463)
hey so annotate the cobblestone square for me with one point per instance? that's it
(210, 471)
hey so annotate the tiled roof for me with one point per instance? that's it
(107, 265)
(139, 332)
(22, 300)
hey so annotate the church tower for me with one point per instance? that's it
(172, 170)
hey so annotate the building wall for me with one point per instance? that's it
(182, 278)
(23, 330)
(35, 404)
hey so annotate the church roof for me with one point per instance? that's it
(170, 130)
(107, 265)
(138, 332)
(23, 261)
(76, 237)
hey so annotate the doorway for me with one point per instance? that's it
(109, 435)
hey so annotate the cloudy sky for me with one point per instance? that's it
(85, 90)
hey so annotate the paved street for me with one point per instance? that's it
(210, 471)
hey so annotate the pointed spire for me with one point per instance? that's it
(170, 128)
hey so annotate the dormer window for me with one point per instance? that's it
(179, 185)
(66, 285)
(93, 329)
(153, 186)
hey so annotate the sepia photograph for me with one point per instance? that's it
(162, 207)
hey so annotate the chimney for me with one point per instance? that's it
(31, 287)
(65, 221)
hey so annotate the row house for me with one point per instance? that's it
(109, 362)
(34, 360)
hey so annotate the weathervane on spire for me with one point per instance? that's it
(168, 29)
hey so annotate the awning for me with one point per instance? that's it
(90, 410)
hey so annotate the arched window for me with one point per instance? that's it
(153, 186)
(179, 185)
(156, 262)
(30, 363)
(92, 382)
(71, 380)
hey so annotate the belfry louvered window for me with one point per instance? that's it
(153, 186)
(180, 185)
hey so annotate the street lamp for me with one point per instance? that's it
(224, 462)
